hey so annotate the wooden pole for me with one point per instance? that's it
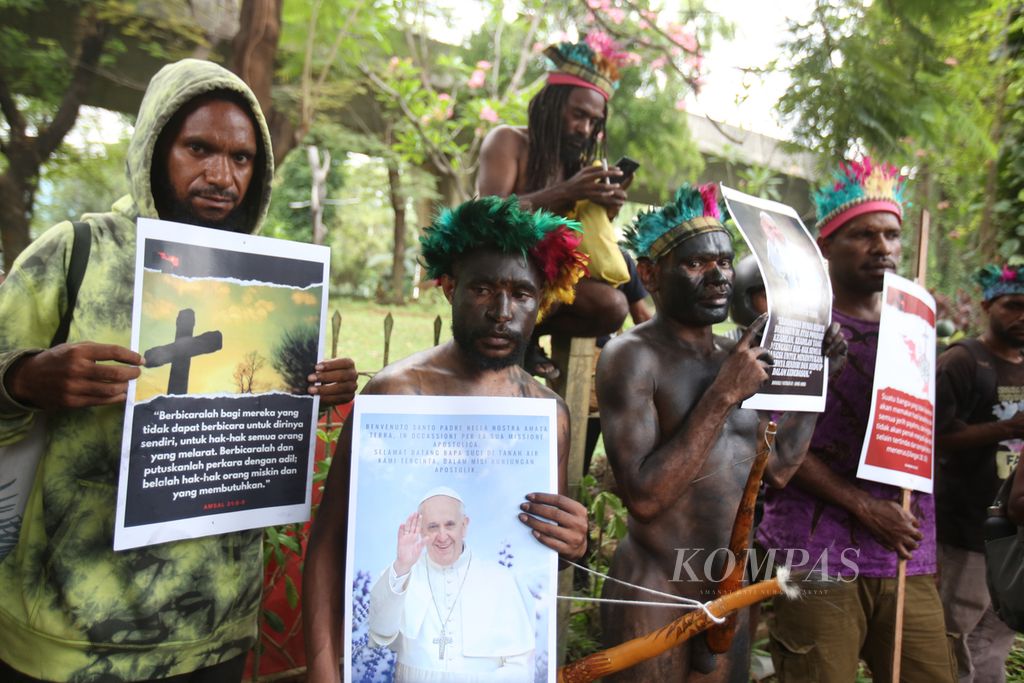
(920, 275)
(389, 324)
(921, 270)
(575, 356)
(901, 597)
(335, 330)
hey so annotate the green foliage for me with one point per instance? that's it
(921, 84)
(1009, 204)
(863, 75)
(608, 516)
(293, 184)
(439, 103)
(645, 125)
(80, 180)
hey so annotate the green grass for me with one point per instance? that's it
(362, 328)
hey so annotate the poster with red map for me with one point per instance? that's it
(899, 447)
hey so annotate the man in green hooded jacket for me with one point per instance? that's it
(71, 609)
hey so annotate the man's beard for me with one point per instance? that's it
(173, 209)
(572, 151)
(466, 338)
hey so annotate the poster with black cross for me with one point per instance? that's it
(220, 428)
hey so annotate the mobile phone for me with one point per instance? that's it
(627, 166)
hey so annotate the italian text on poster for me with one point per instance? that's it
(219, 429)
(446, 582)
(799, 296)
(899, 448)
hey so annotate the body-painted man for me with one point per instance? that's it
(500, 268)
(678, 442)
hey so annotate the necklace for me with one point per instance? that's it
(444, 639)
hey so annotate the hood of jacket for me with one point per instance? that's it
(169, 90)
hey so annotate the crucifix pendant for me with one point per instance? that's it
(441, 641)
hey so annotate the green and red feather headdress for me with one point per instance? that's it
(549, 241)
(694, 210)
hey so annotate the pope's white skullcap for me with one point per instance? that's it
(441, 491)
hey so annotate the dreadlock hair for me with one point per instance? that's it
(545, 130)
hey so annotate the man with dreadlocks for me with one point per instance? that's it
(552, 164)
(501, 268)
(677, 440)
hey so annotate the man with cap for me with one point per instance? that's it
(448, 611)
(501, 268)
(850, 530)
(71, 609)
(979, 427)
(678, 442)
(554, 163)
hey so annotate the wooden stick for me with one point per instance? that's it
(901, 597)
(922, 249)
(719, 637)
(920, 273)
(625, 655)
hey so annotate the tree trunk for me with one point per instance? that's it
(14, 216)
(398, 252)
(26, 153)
(253, 51)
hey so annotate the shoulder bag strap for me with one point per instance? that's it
(80, 248)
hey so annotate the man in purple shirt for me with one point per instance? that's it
(827, 521)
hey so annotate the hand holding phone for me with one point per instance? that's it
(628, 167)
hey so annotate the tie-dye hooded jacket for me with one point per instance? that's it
(71, 609)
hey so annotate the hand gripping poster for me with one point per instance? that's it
(799, 295)
(446, 582)
(219, 428)
(899, 448)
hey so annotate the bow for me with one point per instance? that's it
(625, 655)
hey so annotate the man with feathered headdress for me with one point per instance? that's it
(676, 438)
(502, 269)
(855, 531)
(552, 164)
(979, 432)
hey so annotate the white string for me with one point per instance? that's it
(625, 602)
(688, 603)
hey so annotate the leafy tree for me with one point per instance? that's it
(79, 180)
(926, 85)
(294, 356)
(43, 83)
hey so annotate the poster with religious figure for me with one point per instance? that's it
(446, 582)
(219, 429)
(899, 448)
(799, 296)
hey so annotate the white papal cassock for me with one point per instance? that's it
(488, 633)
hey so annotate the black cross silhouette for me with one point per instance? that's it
(179, 353)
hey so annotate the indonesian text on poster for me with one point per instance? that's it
(219, 428)
(432, 463)
(898, 449)
(799, 297)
